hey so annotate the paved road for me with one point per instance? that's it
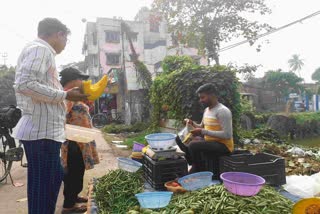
(10, 194)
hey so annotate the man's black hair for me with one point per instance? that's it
(49, 26)
(208, 89)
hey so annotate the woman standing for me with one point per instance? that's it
(76, 157)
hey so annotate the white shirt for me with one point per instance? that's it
(39, 94)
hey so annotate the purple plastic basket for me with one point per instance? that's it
(241, 183)
(137, 147)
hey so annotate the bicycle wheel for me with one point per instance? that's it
(118, 118)
(99, 120)
(5, 165)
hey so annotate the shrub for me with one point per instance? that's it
(303, 117)
(267, 134)
(121, 128)
(177, 91)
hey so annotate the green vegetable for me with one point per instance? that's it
(115, 192)
(216, 199)
(133, 212)
(147, 211)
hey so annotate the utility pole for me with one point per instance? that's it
(4, 56)
(123, 89)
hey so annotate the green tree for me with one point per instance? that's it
(283, 83)
(296, 64)
(212, 21)
(143, 74)
(316, 75)
(7, 94)
(246, 105)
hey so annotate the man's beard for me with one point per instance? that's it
(205, 105)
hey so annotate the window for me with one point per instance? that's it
(95, 60)
(134, 36)
(154, 27)
(112, 36)
(113, 59)
(154, 21)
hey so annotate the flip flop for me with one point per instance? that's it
(77, 209)
(81, 199)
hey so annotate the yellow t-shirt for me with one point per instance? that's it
(217, 123)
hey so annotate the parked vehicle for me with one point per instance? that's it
(299, 106)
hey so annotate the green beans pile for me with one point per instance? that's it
(216, 199)
(115, 192)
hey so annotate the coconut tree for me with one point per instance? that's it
(296, 64)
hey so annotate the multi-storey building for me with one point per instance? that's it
(107, 50)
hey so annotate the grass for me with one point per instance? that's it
(122, 128)
(140, 131)
(138, 137)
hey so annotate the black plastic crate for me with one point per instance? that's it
(268, 166)
(210, 161)
(157, 173)
(156, 186)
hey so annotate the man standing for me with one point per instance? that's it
(216, 128)
(41, 128)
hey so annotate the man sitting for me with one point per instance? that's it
(213, 134)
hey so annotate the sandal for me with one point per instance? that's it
(81, 199)
(75, 209)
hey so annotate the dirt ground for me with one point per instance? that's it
(11, 195)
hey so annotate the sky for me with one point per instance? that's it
(19, 20)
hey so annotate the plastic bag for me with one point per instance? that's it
(303, 186)
(296, 151)
(184, 132)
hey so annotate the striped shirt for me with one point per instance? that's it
(217, 123)
(39, 94)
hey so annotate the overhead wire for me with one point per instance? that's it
(267, 33)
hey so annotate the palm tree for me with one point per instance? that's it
(295, 63)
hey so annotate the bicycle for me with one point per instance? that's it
(9, 153)
(101, 119)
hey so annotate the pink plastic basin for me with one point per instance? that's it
(241, 183)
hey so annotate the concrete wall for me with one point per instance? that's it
(104, 24)
(266, 99)
(91, 29)
(137, 108)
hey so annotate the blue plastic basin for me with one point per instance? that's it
(154, 200)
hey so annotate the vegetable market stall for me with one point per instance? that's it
(115, 193)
